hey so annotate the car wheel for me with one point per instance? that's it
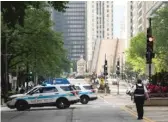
(62, 104)
(67, 106)
(28, 107)
(22, 105)
(84, 99)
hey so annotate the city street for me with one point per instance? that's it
(106, 108)
(109, 55)
(96, 111)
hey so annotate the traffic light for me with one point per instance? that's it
(149, 40)
(118, 68)
(105, 62)
(149, 51)
(30, 76)
(105, 68)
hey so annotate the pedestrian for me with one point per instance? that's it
(140, 94)
(22, 90)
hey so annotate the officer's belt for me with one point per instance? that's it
(139, 95)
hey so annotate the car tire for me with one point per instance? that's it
(62, 104)
(22, 105)
(67, 106)
(28, 107)
(84, 99)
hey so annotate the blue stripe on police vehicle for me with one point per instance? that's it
(44, 96)
(81, 92)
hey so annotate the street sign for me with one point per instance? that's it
(152, 69)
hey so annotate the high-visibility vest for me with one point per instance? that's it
(102, 81)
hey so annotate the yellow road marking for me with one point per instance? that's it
(145, 119)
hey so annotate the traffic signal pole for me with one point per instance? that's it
(150, 54)
(27, 74)
(118, 74)
(105, 74)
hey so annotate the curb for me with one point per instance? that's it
(3, 106)
(129, 106)
(129, 109)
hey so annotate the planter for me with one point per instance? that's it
(153, 95)
(157, 101)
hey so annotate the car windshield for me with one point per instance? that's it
(31, 91)
(88, 87)
(67, 88)
(35, 90)
(77, 88)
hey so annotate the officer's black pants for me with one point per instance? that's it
(139, 101)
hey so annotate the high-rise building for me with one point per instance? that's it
(99, 26)
(72, 26)
(138, 14)
(136, 17)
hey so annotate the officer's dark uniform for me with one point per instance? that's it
(139, 97)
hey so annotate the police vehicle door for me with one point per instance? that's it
(33, 96)
(78, 89)
(49, 95)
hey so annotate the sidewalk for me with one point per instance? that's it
(155, 113)
(151, 113)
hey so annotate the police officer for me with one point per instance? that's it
(140, 94)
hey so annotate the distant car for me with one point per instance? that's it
(61, 96)
(86, 92)
(113, 81)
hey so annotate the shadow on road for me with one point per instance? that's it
(41, 109)
(48, 109)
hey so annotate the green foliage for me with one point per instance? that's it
(34, 43)
(13, 12)
(160, 30)
(136, 53)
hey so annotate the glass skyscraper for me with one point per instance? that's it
(72, 25)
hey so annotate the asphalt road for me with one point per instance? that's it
(95, 111)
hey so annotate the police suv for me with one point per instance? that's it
(61, 96)
(85, 92)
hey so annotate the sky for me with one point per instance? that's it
(119, 9)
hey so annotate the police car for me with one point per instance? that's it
(61, 96)
(85, 92)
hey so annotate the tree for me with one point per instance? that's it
(13, 12)
(160, 30)
(37, 42)
(136, 53)
(26, 30)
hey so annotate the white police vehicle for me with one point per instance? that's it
(61, 96)
(86, 93)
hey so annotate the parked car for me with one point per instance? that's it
(114, 81)
(61, 96)
(86, 93)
